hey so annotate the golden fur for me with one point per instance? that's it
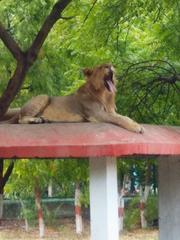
(94, 101)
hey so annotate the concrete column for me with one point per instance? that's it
(103, 199)
(169, 198)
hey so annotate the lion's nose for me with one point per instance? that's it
(110, 74)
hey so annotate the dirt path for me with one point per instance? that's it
(64, 230)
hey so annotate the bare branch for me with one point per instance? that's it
(45, 29)
(154, 93)
(67, 18)
(90, 10)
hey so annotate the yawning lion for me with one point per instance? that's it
(93, 101)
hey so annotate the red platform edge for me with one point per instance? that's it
(71, 140)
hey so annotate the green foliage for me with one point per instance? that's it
(132, 214)
(151, 209)
(63, 173)
(29, 212)
(24, 177)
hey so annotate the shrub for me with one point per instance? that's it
(132, 217)
(152, 210)
(132, 212)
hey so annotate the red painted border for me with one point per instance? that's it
(85, 140)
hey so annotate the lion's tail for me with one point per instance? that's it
(12, 120)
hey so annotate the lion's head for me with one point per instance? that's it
(101, 77)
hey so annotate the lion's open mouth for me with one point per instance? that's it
(109, 82)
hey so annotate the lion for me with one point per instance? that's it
(94, 101)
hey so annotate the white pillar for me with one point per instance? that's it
(103, 199)
(169, 198)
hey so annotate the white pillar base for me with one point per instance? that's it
(103, 199)
(169, 198)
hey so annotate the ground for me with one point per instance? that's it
(14, 230)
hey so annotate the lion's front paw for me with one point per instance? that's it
(138, 128)
(36, 120)
(142, 130)
(132, 126)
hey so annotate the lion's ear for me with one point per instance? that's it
(87, 72)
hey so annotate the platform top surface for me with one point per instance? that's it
(85, 140)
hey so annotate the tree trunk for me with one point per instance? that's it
(1, 208)
(1, 189)
(39, 209)
(13, 87)
(154, 179)
(3, 180)
(121, 210)
(144, 195)
(132, 181)
(143, 199)
(50, 188)
(78, 215)
(124, 186)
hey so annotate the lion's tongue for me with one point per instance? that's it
(111, 86)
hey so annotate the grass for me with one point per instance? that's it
(64, 231)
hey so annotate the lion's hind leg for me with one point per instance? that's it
(31, 111)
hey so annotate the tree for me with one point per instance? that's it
(29, 181)
(4, 177)
(37, 193)
(31, 177)
(25, 59)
